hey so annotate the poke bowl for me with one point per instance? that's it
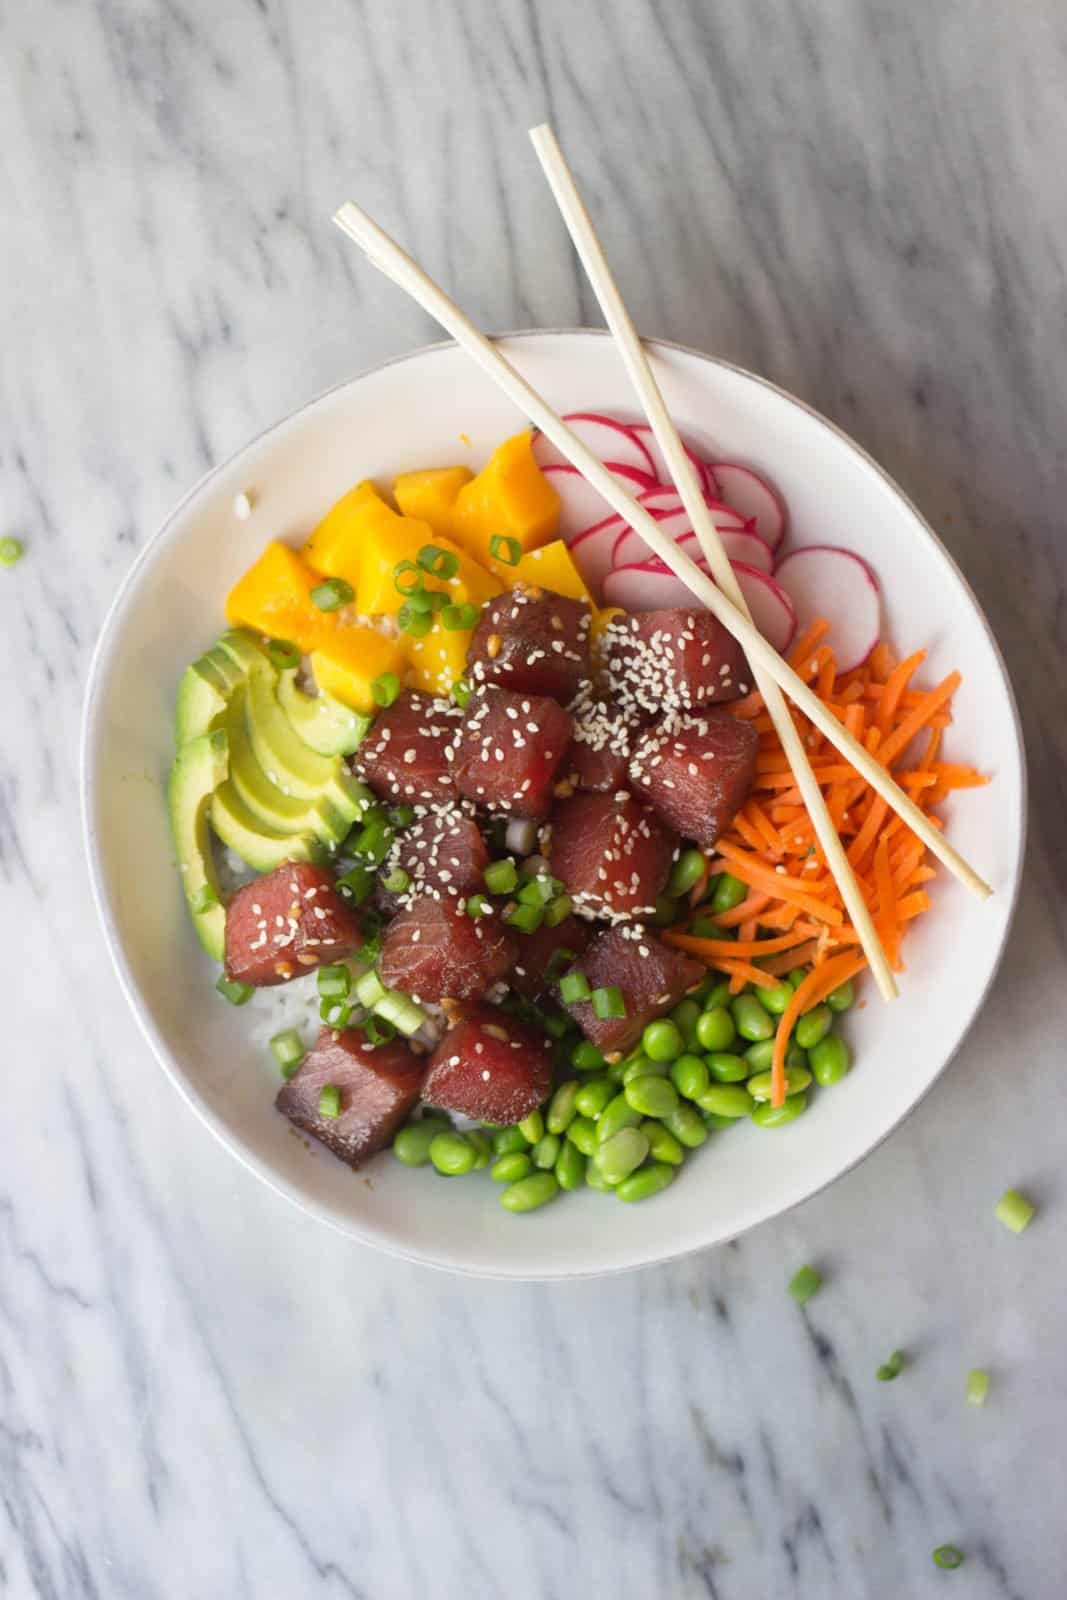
(508, 910)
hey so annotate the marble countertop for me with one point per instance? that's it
(201, 1391)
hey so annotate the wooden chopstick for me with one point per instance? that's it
(384, 253)
(591, 253)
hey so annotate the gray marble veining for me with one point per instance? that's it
(201, 1392)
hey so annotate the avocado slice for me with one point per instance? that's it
(321, 721)
(263, 848)
(278, 811)
(203, 694)
(199, 768)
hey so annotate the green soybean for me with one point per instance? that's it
(797, 976)
(726, 1100)
(686, 1015)
(653, 1097)
(622, 1154)
(614, 1071)
(714, 1120)
(662, 1041)
(716, 994)
(561, 1109)
(412, 1144)
(483, 1148)
(644, 1068)
(452, 1154)
(650, 1180)
(570, 1167)
(768, 1116)
(510, 1168)
(585, 1057)
(687, 1126)
(843, 997)
(532, 1127)
(727, 1068)
(686, 872)
(797, 1080)
(689, 1075)
(595, 1179)
(592, 1097)
(662, 1145)
(775, 1000)
(813, 1026)
(510, 1141)
(582, 1135)
(750, 1019)
(829, 1060)
(546, 1151)
(715, 1029)
(617, 1115)
(729, 892)
(761, 1055)
(530, 1193)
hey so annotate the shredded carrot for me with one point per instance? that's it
(713, 948)
(820, 982)
(745, 972)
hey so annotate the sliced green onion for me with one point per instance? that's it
(11, 551)
(461, 693)
(395, 1007)
(335, 983)
(1014, 1210)
(401, 816)
(332, 595)
(371, 926)
(335, 1013)
(374, 841)
(282, 654)
(507, 550)
(204, 898)
(555, 1024)
(526, 918)
(804, 1283)
(559, 960)
(500, 877)
(288, 1048)
(236, 993)
(415, 623)
(948, 1556)
(558, 910)
(397, 881)
(403, 571)
(329, 1100)
(539, 891)
(356, 885)
(428, 600)
(463, 617)
(608, 1003)
(892, 1368)
(440, 563)
(704, 928)
(385, 688)
(478, 906)
(379, 1030)
(370, 990)
(574, 986)
(977, 1387)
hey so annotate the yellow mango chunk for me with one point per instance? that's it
(387, 539)
(431, 496)
(274, 598)
(439, 660)
(348, 661)
(550, 567)
(333, 547)
(510, 497)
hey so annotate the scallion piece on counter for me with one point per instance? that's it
(332, 595)
(608, 1003)
(500, 877)
(804, 1283)
(462, 617)
(407, 577)
(12, 550)
(440, 563)
(288, 1051)
(574, 986)
(282, 654)
(507, 550)
(977, 1387)
(948, 1556)
(892, 1368)
(236, 993)
(385, 688)
(1014, 1210)
(329, 1100)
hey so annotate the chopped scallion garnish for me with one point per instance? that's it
(332, 595)
(1014, 1210)
(329, 1100)
(385, 688)
(558, 910)
(282, 654)
(401, 816)
(356, 885)
(335, 983)
(608, 1003)
(428, 600)
(574, 986)
(538, 891)
(374, 841)
(804, 1283)
(456, 617)
(440, 563)
(236, 993)
(396, 881)
(461, 694)
(509, 551)
(12, 550)
(379, 1030)
(527, 918)
(892, 1368)
(977, 1387)
(288, 1050)
(407, 577)
(500, 877)
(415, 623)
(335, 1013)
(948, 1556)
(478, 906)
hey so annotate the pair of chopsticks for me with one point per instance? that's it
(723, 598)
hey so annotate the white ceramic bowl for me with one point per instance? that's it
(434, 407)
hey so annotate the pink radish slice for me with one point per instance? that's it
(714, 486)
(753, 497)
(825, 581)
(661, 500)
(659, 465)
(581, 506)
(610, 441)
(592, 552)
(772, 608)
(646, 586)
(749, 549)
(630, 550)
(676, 526)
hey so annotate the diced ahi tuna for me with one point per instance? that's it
(379, 1089)
(442, 850)
(545, 955)
(282, 925)
(650, 975)
(532, 641)
(434, 951)
(491, 1067)
(406, 754)
(599, 752)
(696, 771)
(510, 750)
(611, 853)
(673, 660)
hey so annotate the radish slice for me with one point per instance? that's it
(646, 586)
(676, 525)
(592, 551)
(749, 549)
(581, 506)
(825, 581)
(661, 500)
(710, 478)
(659, 465)
(610, 441)
(753, 497)
(772, 608)
(630, 550)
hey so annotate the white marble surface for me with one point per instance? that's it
(201, 1392)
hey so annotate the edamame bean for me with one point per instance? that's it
(585, 1057)
(650, 1180)
(452, 1154)
(714, 1120)
(546, 1151)
(653, 1097)
(729, 892)
(726, 1100)
(532, 1127)
(510, 1141)
(595, 1179)
(796, 976)
(662, 1040)
(760, 1055)
(727, 1068)
(662, 1145)
(617, 1115)
(813, 1026)
(843, 997)
(686, 1015)
(796, 1081)
(530, 1193)
(829, 1060)
(644, 1068)
(412, 1144)
(768, 1116)
(570, 1167)
(715, 1029)
(510, 1168)
(750, 1019)
(687, 1126)
(775, 1000)
(483, 1148)
(622, 1154)
(592, 1097)
(717, 996)
(582, 1135)
(689, 1076)
(561, 1107)
(686, 872)
(614, 1071)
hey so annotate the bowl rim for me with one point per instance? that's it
(88, 772)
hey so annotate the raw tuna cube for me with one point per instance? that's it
(680, 660)
(491, 1067)
(599, 752)
(510, 750)
(696, 771)
(545, 955)
(611, 854)
(434, 951)
(533, 642)
(281, 926)
(442, 850)
(379, 1088)
(651, 976)
(406, 754)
